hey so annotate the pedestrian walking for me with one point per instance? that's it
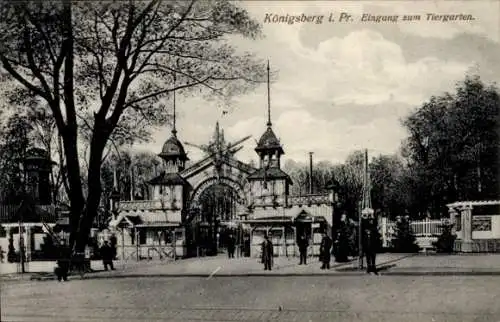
(63, 261)
(107, 256)
(370, 243)
(2, 254)
(267, 253)
(325, 251)
(303, 243)
(231, 245)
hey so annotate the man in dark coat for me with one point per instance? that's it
(113, 242)
(267, 253)
(63, 261)
(107, 256)
(325, 251)
(246, 246)
(370, 244)
(231, 245)
(303, 243)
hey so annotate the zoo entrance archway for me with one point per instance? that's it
(217, 204)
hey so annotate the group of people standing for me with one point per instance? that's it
(66, 259)
(369, 242)
(303, 244)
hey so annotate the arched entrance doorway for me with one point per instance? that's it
(219, 204)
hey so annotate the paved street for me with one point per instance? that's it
(307, 298)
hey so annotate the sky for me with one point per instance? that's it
(341, 87)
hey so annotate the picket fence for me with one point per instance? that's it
(425, 231)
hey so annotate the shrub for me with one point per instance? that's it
(11, 253)
(446, 241)
(404, 240)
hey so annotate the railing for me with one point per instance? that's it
(309, 199)
(163, 252)
(9, 213)
(426, 227)
(424, 230)
(138, 252)
(149, 205)
(141, 205)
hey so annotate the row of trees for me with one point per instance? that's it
(451, 153)
(417, 181)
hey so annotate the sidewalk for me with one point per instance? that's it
(220, 266)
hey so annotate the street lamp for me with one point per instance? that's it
(334, 187)
(115, 199)
(364, 214)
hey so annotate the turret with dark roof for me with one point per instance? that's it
(269, 143)
(173, 152)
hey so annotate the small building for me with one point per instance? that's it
(476, 224)
(153, 228)
(27, 222)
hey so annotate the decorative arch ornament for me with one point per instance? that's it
(239, 187)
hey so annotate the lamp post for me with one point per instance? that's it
(115, 198)
(311, 173)
(334, 188)
(364, 214)
(365, 207)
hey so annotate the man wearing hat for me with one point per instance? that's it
(107, 255)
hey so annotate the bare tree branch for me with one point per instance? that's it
(158, 93)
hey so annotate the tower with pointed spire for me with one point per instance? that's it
(272, 179)
(169, 186)
(269, 147)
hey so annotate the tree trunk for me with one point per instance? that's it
(99, 139)
(74, 179)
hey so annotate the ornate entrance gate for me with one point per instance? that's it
(218, 204)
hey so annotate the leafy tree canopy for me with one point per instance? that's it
(105, 71)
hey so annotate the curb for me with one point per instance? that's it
(226, 275)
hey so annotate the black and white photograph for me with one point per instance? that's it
(217, 160)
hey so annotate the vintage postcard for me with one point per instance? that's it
(199, 160)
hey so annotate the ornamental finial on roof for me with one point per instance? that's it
(268, 97)
(174, 130)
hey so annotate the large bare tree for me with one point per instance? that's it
(110, 66)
